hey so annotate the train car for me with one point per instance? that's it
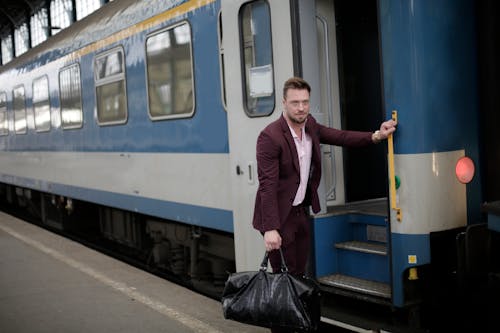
(123, 110)
(140, 121)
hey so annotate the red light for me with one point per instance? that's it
(464, 170)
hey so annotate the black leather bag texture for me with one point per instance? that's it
(273, 300)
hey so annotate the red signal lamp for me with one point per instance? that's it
(465, 170)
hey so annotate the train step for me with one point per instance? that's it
(362, 259)
(350, 283)
(366, 247)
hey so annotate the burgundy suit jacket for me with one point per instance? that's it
(278, 168)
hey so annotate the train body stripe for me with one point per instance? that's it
(190, 188)
(142, 26)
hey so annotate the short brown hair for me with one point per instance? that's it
(295, 83)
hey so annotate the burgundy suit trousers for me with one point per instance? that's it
(295, 242)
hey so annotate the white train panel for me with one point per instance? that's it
(195, 179)
(430, 196)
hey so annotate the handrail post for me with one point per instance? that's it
(392, 177)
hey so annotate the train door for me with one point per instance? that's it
(350, 86)
(338, 54)
(256, 53)
(333, 166)
(351, 239)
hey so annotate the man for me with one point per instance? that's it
(289, 169)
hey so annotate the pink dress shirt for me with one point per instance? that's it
(304, 151)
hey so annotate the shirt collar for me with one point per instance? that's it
(303, 129)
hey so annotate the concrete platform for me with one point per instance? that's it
(52, 284)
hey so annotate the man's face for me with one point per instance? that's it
(296, 105)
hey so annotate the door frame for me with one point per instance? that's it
(243, 130)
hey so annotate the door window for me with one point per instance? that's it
(255, 29)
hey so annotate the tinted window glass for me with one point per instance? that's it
(255, 27)
(170, 73)
(19, 110)
(4, 123)
(109, 73)
(71, 97)
(41, 104)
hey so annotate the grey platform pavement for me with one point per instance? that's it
(52, 284)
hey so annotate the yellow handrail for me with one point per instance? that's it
(392, 177)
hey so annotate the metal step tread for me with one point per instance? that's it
(367, 247)
(373, 288)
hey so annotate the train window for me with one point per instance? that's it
(19, 110)
(4, 123)
(71, 97)
(255, 28)
(41, 104)
(109, 74)
(170, 73)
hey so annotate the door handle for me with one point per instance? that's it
(251, 176)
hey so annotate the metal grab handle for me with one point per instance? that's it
(392, 177)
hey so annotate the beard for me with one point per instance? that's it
(296, 120)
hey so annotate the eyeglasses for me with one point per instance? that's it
(296, 104)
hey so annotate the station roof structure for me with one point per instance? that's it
(12, 12)
(26, 23)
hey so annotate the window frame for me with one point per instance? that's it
(243, 44)
(21, 39)
(114, 78)
(7, 48)
(68, 67)
(5, 131)
(38, 33)
(222, 63)
(48, 102)
(158, 32)
(58, 17)
(24, 117)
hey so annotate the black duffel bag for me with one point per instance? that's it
(273, 300)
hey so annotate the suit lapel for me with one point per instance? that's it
(291, 143)
(310, 130)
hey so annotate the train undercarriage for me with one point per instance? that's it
(194, 256)
(461, 280)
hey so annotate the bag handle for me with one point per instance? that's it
(263, 265)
